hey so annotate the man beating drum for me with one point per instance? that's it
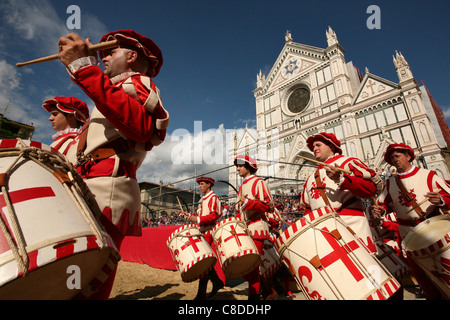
(127, 121)
(67, 115)
(401, 195)
(330, 186)
(209, 212)
(254, 201)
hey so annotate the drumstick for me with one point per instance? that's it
(179, 203)
(422, 202)
(325, 164)
(95, 47)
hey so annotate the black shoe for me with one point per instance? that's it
(201, 292)
(216, 287)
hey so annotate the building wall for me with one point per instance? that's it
(311, 90)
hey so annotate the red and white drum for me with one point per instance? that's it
(391, 260)
(51, 243)
(191, 253)
(330, 263)
(428, 245)
(235, 247)
(270, 261)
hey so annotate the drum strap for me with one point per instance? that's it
(82, 140)
(408, 197)
(117, 146)
(321, 188)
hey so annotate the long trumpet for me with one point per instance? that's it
(95, 47)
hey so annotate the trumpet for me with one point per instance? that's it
(96, 47)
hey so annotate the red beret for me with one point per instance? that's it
(206, 179)
(397, 147)
(68, 105)
(144, 44)
(246, 159)
(328, 138)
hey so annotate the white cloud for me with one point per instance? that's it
(446, 112)
(184, 155)
(31, 29)
(9, 77)
(34, 22)
(40, 26)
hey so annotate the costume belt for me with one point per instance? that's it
(114, 147)
(117, 146)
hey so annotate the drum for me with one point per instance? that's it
(330, 263)
(191, 253)
(391, 261)
(51, 243)
(270, 261)
(237, 252)
(428, 245)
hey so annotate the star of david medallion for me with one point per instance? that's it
(290, 68)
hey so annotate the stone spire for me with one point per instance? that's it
(331, 37)
(402, 67)
(260, 78)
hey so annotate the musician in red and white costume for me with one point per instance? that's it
(419, 184)
(329, 186)
(128, 120)
(254, 200)
(67, 115)
(207, 215)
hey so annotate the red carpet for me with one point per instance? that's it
(151, 248)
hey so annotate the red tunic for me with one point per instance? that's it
(345, 197)
(129, 108)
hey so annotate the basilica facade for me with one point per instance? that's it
(311, 90)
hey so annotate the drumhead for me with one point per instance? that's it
(427, 233)
(50, 281)
(200, 268)
(239, 267)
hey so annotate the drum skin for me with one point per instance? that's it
(56, 237)
(270, 260)
(191, 253)
(391, 261)
(428, 245)
(235, 247)
(330, 263)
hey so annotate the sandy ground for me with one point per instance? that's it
(141, 282)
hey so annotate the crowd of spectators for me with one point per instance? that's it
(387, 173)
(287, 205)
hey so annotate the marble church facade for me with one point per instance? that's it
(311, 90)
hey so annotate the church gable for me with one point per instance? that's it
(292, 67)
(248, 138)
(294, 60)
(372, 86)
(379, 157)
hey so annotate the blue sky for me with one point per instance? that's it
(212, 52)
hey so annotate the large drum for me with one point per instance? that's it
(330, 263)
(191, 253)
(428, 245)
(391, 261)
(270, 261)
(51, 243)
(235, 247)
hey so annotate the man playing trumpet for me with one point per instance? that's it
(330, 186)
